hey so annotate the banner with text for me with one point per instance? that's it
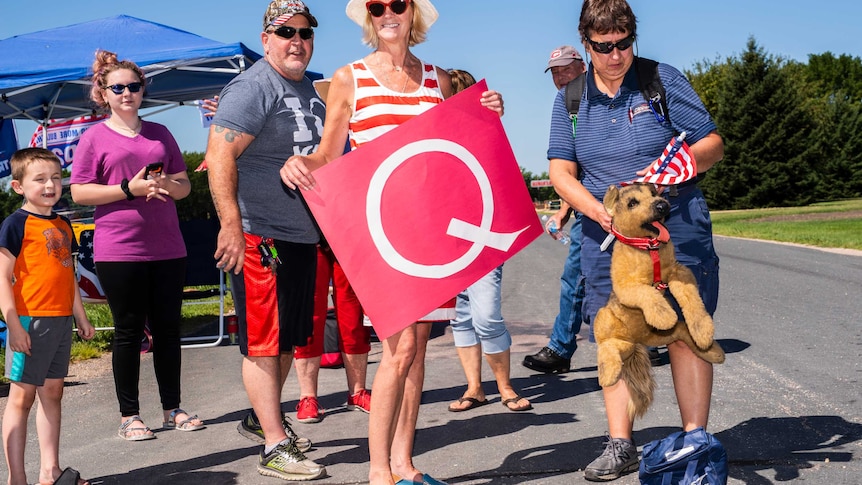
(62, 138)
(8, 146)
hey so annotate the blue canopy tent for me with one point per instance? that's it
(45, 75)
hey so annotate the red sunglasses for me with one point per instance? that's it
(377, 8)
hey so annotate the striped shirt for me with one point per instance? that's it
(378, 109)
(617, 136)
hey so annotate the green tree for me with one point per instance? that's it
(199, 203)
(837, 148)
(706, 77)
(833, 75)
(766, 130)
(9, 201)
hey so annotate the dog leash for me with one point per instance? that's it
(651, 244)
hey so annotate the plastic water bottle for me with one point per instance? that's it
(564, 238)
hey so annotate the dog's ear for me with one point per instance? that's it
(610, 199)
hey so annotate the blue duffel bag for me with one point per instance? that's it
(692, 458)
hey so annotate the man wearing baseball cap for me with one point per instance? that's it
(268, 240)
(566, 65)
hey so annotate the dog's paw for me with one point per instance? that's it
(610, 364)
(609, 373)
(714, 354)
(661, 316)
(702, 331)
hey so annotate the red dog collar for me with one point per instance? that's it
(651, 244)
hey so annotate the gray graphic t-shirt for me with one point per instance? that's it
(286, 118)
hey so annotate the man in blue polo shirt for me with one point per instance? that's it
(565, 64)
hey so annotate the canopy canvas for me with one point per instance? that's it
(45, 75)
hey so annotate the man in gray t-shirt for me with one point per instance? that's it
(267, 239)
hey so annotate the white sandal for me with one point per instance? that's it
(184, 425)
(125, 431)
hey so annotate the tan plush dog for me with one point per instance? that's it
(643, 268)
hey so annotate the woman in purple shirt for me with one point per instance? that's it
(138, 248)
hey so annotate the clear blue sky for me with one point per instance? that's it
(505, 41)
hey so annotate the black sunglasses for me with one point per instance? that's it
(286, 32)
(377, 9)
(120, 88)
(607, 47)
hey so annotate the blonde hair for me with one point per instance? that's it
(461, 80)
(25, 157)
(106, 62)
(418, 32)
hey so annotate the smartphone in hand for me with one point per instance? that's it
(154, 170)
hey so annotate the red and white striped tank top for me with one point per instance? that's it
(378, 109)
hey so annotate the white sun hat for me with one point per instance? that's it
(357, 11)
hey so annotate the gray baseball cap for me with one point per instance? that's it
(563, 56)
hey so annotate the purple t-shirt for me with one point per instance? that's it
(130, 230)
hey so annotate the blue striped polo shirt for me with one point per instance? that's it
(618, 136)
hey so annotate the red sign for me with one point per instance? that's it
(424, 211)
(540, 183)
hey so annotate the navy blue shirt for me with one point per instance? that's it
(618, 136)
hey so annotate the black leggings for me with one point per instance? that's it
(140, 293)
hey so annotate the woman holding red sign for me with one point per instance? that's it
(362, 98)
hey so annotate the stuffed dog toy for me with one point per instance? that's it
(638, 314)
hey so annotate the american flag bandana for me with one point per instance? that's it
(675, 166)
(282, 19)
(290, 8)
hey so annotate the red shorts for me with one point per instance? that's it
(274, 312)
(353, 337)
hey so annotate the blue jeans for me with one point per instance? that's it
(478, 318)
(568, 322)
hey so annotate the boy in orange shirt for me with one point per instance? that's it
(39, 298)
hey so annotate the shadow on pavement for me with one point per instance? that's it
(782, 445)
(189, 472)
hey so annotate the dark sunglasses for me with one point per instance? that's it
(377, 9)
(607, 47)
(120, 88)
(286, 32)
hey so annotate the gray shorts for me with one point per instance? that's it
(50, 348)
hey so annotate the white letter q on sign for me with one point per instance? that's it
(481, 236)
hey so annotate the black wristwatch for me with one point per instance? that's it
(125, 186)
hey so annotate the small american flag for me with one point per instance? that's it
(675, 166)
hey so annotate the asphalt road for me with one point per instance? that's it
(786, 404)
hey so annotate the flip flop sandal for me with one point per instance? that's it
(125, 431)
(426, 480)
(474, 403)
(70, 476)
(184, 425)
(514, 400)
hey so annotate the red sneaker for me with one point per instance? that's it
(308, 410)
(361, 401)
